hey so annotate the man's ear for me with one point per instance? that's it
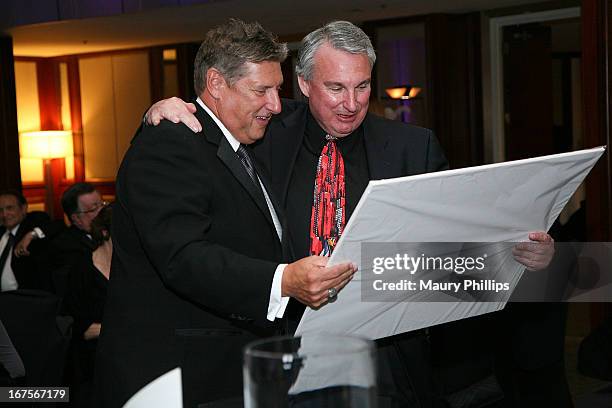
(304, 86)
(74, 219)
(215, 82)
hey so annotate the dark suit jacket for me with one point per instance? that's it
(66, 248)
(195, 252)
(73, 241)
(32, 271)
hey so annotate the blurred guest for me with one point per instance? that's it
(81, 203)
(85, 302)
(18, 271)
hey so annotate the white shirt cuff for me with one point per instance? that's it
(278, 303)
(39, 233)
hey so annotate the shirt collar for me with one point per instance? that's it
(231, 139)
(12, 231)
(15, 229)
(315, 137)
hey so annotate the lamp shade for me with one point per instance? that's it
(45, 144)
(403, 92)
(414, 91)
(396, 92)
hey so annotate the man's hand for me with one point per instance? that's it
(21, 249)
(308, 279)
(535, 255)
(93, 331)
(175, 110)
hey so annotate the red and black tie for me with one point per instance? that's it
(328, 210)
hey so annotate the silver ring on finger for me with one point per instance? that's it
(332, 295)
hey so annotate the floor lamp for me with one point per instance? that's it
(49, 145)
(401, 93)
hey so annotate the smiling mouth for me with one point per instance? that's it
(264, 117)
(345, 116)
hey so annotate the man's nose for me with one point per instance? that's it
(274, 103)
(350, 101)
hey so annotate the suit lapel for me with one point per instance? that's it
(286, 137)
(81, 236)
(376, 144)
(263, 176)
(228, 156)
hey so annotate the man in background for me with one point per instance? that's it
(81, 203)
(18, 271)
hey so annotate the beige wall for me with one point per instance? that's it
(28, 114)
(115, 92)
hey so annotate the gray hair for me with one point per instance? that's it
(341, 35)
(229, 46)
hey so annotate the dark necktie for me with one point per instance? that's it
(245, 158)
(248, 165)
(327, 219)
(6, 251)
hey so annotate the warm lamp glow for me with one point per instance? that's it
(403, 92)
(396, 93)
(46, 144)
(414, 91)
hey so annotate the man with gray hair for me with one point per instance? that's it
(199, 239)
(322, 154)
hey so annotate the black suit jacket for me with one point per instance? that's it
(73, 241)
(66, 248)
(195, 252)
(31, 271)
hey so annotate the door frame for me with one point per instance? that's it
(496, 25)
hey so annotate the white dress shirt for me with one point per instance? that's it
(8, 281)
(277, 303)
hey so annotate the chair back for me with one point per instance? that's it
(30, 319)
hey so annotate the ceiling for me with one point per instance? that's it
(172, 25)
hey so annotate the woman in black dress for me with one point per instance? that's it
(85, 302)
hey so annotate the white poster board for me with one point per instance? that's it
(500, 202)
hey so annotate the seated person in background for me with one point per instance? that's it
(18, 271)
(84, 301)
(9, 360)
(81, 203)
